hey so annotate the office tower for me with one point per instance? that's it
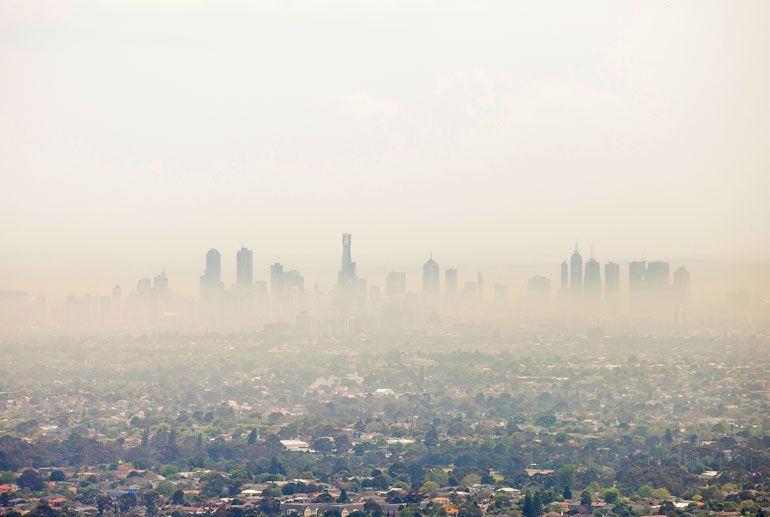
(276, 277)
(501, 294)
(285, 285)
(144, 286)
(682, 284)
(576, 271)
(431, 280)
(451, 281)
(636, 278)
(244, 269)
(657, 276)
(611, 280)
(395, 284)
(160, 283)
(469, 290)
(346, 278)
(564, 276)
(211, 279)
(592, 284)
(480, 285)
(539, 289)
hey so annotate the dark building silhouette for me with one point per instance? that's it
(431, 278)
(576, 271)
(395, 284)
(211, 280)
(244, 269)
(611, 280)
(592, 283)
(347, 281)
(450, 281)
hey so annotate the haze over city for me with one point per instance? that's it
(135, 137)
(384, 258)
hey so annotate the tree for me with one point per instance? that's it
(213, 484)
(611, 495)
(585, 499)
(42, 510)
(342, 443)
(565, 477)
(126, 501)
(30, 480)
(252, 439)
(430, 487)
(145, 437)
(270, 506)
(151, 499)
(177, 498)
(537, 503)
(431, 438)
(526, 505)
(103, 502)
(343, 498)
(57, 475)
(323, 445)
(372, 508)
(667, 508)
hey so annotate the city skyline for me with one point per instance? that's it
(488, 138)
(577, 279)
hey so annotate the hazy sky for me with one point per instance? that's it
(136, 135)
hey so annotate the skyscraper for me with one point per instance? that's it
(431, 279)
(657, 276)
(592, 285)
(480, 285)
(347, 282)
(395, 284)
(244, 269)
(636, 278)
(538, 289)
(276, 279)
(450, 281)
(211, 279)
(576, 271)
(285, 285)
(564, 276)
(611, 280)
(682, 284)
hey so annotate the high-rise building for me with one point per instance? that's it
(657, 276)
(564, 276)
(592, 283)
(346, 278)
(211, 280)
(276, 278)
(637, 271)
(682, 284)
(285, 285)
(480, 285)
(539, 289)
(431, 279)
(244, 269)
(450, 281)
(576, 271)
(160, 283)
(611, 280)
(395, 284)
